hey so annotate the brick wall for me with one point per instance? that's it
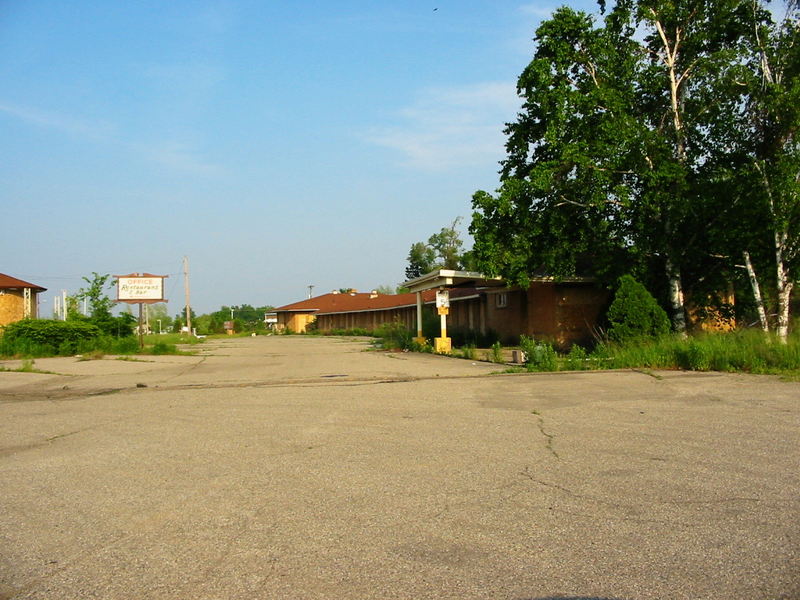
(12, 306)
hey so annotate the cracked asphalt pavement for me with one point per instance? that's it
(302, 467)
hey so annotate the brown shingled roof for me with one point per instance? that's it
(8, 282)
(358, 302)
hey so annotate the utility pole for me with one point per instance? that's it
(186, 289)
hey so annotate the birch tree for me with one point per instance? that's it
(607, 155)
(774, 112)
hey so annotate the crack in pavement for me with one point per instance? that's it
(45, 442)
(548, 436)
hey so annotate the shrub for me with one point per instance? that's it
(163, 348)
(634, 313)
(497, 352)
(468, 351)
(417, 347)
(576, 359)
(539, 356)
(394, 336)
(63, 335)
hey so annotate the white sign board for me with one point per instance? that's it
(442, 299)
(140, 289)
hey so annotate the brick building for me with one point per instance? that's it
(18, 299)
(563, 312)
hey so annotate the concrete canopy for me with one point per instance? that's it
(449, 278)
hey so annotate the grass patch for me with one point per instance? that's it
(27, 366)
(745, 351)
(174, 338)
(467, 351)
(509, 370)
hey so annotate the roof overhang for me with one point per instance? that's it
(448, 278)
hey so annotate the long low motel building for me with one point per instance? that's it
(565, 311)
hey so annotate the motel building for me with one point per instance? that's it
(564, 311)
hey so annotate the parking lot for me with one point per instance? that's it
(303, 467)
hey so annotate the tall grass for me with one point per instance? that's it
(747, 351)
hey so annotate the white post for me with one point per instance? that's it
(420, 339)
(186, 289)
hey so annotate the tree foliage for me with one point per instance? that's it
(627, 153)
(100, 305)
(443, 250)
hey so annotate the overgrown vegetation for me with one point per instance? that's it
(21, 346)
(394, 336)
(40, 338)
(746, 351)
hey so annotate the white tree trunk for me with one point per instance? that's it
(783, 288)
(676, 297)
(783, 284)
(762, 314)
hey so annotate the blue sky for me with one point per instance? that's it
(277, 144)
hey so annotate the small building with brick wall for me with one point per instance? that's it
(563, 312)
(18, 299)
(350, 310)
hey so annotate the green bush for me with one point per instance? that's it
(62, 335)
(468, 351)
(163, 348)
(576, 359)
(425, 348)
(539, 356)
(635, 314)
(394, 336)
(497, 353)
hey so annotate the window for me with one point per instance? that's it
(502, 300)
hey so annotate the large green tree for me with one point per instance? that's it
(606, 165)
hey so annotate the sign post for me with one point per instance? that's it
(443, 344)
(141, 289)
